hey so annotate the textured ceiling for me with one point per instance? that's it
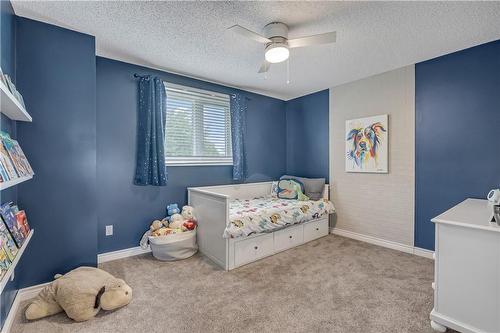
(190, 38)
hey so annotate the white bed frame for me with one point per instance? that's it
(211, 206)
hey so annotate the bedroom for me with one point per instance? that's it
(391, 116)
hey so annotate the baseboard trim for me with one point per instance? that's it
(384, 243)
(120, 254)
(21, 296)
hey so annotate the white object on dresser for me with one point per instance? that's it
(467, 270)
(211, 204)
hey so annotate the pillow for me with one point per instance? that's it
(291, 189)
(274, 189)
(313, 187)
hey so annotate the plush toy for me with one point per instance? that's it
(155, 225)
(176, 221)
(189, 225)
(173, 209)
(162, 232)
(188, 213)
(81, 293)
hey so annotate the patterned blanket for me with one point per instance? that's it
(266, 214)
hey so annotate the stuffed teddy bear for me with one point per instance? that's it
(176, 221)
(155, 225)
(81, 293)
(188, 213)
(173, 209)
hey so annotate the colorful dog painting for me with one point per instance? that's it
(366, 144)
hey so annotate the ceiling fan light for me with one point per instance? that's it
(277, 53)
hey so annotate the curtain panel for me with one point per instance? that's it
(150, 167)
(238, 109)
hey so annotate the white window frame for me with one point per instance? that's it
(195, 160)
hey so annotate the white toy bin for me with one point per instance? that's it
(172, 247)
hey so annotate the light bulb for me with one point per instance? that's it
(277, 52)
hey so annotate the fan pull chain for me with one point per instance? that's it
(288, 71)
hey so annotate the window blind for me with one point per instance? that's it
(198, 126)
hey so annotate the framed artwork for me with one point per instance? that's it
(367, 144)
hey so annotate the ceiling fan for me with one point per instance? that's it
(277, 44)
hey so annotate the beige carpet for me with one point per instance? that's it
(333, 284)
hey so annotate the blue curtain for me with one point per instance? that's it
(238, 111)
(150, 167)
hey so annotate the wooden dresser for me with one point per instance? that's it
(467, 269)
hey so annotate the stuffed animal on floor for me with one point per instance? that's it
(81, 293)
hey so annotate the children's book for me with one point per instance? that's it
(22, 223)
(14, 156)
(8, 243)
(23, 158)
(3, 172)
(4, 262)
(11, 223)
(7, 163)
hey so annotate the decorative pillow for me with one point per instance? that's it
(313, 187)
(274, 189)
(291, 189)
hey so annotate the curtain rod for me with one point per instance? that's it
(141, 76)
(147, 76)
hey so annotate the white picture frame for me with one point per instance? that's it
(367, 144)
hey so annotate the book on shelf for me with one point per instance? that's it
(7, 164)
(4, 262)
(22, 223)
(7, 242)
(24, 161)
(10, 220)
(13, 162)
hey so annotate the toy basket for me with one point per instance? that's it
(171, 247)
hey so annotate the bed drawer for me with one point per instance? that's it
(249, 250)
(287, 238)
(315, 229)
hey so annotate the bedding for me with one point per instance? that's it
(267, 214)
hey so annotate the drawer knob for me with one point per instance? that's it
(317, 229)
(256, 247)
(290, 236)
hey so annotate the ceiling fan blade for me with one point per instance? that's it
(326, 38)
(249, 34)
(264, 67)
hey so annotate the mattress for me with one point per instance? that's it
(267, 214)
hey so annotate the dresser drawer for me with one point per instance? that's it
(289, 237)
(249, 250)
(315, 229)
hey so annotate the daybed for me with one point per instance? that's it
(220, 209)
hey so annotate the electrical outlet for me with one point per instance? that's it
(109, 230)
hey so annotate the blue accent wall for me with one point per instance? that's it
(56, 73)
(130, 208)
(307, 135)
(457, 132)
(8, 64)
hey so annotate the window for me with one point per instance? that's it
(198, 127)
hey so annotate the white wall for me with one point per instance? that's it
(377, 205)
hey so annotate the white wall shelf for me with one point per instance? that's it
(10, 271)
(13, 182)
(11, 107)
